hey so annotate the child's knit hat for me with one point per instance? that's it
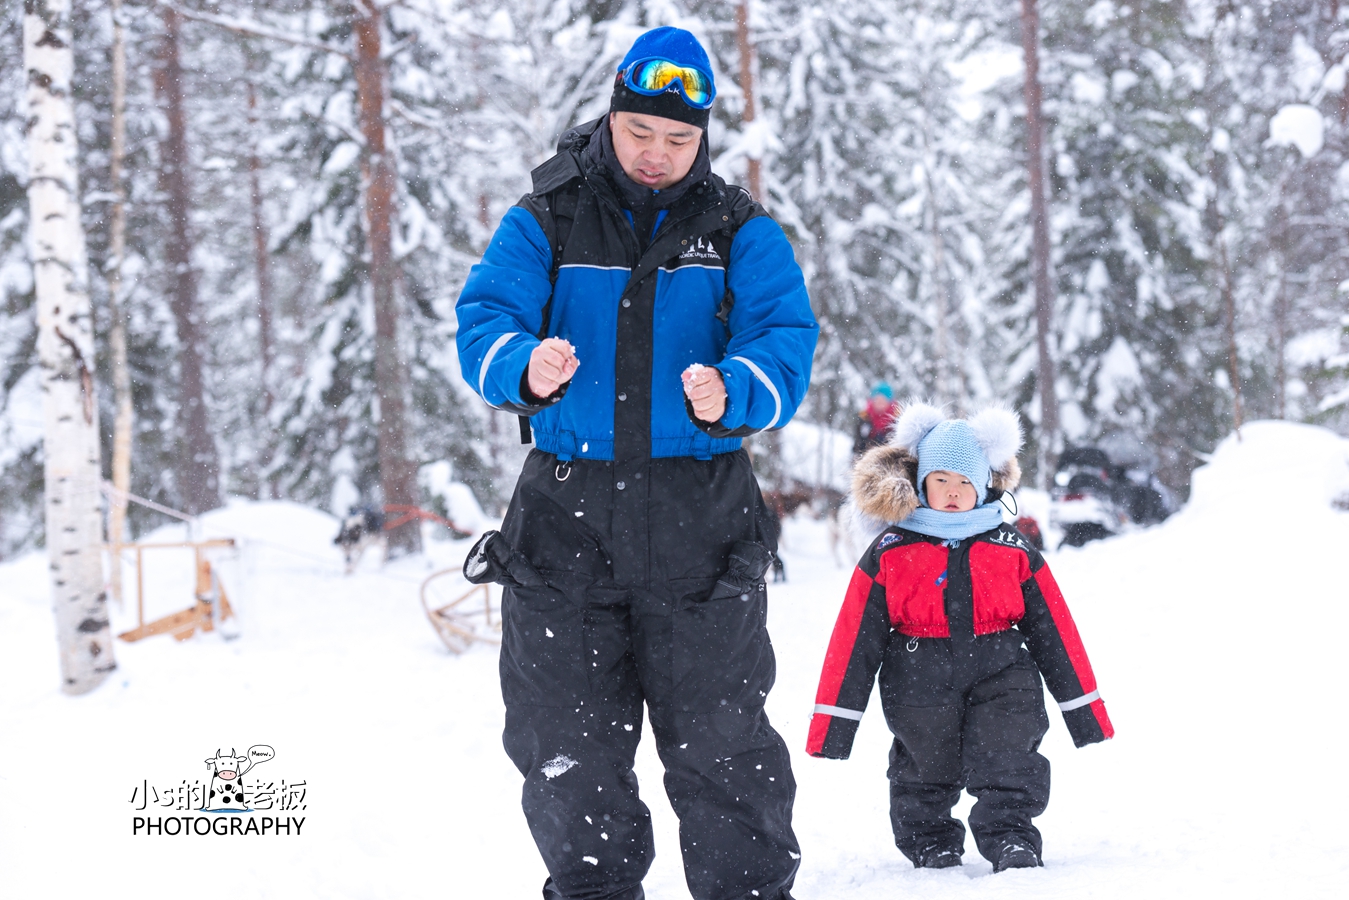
(964, 446)
(888, 480)
(952, 447)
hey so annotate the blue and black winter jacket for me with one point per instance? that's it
(637, 317)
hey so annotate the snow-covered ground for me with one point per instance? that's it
(1216, 638)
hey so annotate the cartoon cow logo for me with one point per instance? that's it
(226, 791)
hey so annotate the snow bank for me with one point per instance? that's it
(1307, 467)
(461, 506)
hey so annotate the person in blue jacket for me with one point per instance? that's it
(645, 316)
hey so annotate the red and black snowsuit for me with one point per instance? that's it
(949, 624)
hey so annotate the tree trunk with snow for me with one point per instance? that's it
(397, 472)
(263, 265)
(198, 462)
(121, 376)
(1230, 332)
(746, 48)
(1044, 296)
(946, 392)
(71, 465)
(1217, 179)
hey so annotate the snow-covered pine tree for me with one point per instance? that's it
(20, 395)
(328, 452)
(481, 99)
(65, 344)
(1138, 336)
(147, 280)
(1276, 107)
(873, 172)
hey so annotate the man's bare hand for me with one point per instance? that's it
(706, 391)
(551, 365)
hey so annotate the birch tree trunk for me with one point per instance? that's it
(121, 376)
(198, 462)
(397, 472)
(71, 465)
(1044, 295)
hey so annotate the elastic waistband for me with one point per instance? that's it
(565, 445)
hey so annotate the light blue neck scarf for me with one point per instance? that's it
(954, 525)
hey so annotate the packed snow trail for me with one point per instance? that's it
(1215, 637)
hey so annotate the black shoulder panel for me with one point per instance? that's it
(564, 165)
(557, 171)
(743, 206)
(575, 139)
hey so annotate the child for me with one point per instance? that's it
(941, 604)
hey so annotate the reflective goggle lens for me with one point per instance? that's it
(654, 76)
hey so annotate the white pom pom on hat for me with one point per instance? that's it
(914, 423)
(998, 431)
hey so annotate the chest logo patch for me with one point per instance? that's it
(887, 540)
(701, 249)
(1008, 539)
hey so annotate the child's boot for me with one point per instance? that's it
(1016, 854)
(937, 857)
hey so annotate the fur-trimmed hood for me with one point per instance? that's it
(885, 478)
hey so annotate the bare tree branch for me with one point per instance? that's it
(254, 29)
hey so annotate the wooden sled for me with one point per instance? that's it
(470, 617)
(212, 604)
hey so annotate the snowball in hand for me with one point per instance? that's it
(690, 376)
(571, 349)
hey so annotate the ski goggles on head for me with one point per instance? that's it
(650, 77)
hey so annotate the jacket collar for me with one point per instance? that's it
(600, 157)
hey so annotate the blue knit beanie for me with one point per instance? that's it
(882, 389)
(952, 447)
(674, 45)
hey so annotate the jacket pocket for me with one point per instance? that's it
(543, 640)
(494, 561)
(744, 573)
(723, 659)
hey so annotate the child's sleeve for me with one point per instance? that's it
(850, 665)
(1052, 639)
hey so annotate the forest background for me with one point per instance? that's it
(1197, 154)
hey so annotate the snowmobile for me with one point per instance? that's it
(1098, 494)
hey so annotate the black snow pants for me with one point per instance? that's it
(967, 714)
(644, 591)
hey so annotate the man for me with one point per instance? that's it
(646, 317)
(876, 420)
